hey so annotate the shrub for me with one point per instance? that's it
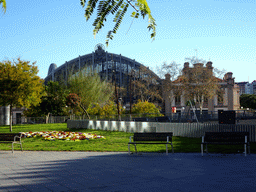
(146, 107)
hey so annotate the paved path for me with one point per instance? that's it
(117, 171)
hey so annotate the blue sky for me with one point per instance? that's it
(55, 31)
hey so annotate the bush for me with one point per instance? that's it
(146, 107)
(107, 110)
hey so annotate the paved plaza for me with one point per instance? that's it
(117, 171)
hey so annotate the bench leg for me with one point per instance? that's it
(135, 148)
(129, 149)
(21, 147)
(249, 149)
(202, 149)
(12, 147)
(166, 149)
(244, 149)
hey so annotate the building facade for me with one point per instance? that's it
(109, 66)
(244, 87)
(228, 100)
(250, 88)
(17, 114)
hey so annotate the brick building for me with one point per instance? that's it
(228, 100)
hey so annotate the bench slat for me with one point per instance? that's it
(164, 136)
(9, 136)
(226, 137)
(152, 136)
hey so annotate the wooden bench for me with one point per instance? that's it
(226, 138)
(11, 138)
(165, 136)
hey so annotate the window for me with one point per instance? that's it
(220, 97)
(177, 99)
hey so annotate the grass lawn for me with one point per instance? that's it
(115, 141)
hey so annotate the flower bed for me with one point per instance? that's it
(61, 135)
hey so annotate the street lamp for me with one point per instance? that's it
(117, 102)
(132, 71)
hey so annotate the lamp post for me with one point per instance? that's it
(118, 112)
(131, 90)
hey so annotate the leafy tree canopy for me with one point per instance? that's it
(3, 2)
(248, 101)
(145, 86)
(20, 85)
(117, 8)
(90, 88)
(53, 101)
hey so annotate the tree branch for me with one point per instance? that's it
(132, 5)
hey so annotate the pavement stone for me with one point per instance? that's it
(118, 171)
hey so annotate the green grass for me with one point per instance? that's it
(115, 141)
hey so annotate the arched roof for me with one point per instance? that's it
(100, 60)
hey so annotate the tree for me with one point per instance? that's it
(20, 85)
(171, 88)
(3, 2)
(52, 102)
(120, 8)
(74, 100)
(200, 83)
(89, 87)
(145, 85)
(248, 101)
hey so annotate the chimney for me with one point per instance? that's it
(186, 65)
(209, 65)
(167, 76)
(229, 75)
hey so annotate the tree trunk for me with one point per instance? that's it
(10, 119)
(85, 111)
(47, 118)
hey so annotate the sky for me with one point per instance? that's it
(56, 31)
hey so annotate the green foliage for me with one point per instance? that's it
(94, 109)
(248, 101)
(3, 2)
(20, 85)
(146, 107)
(110, 108)
(90, 88)
(54, 102)
(119, 8)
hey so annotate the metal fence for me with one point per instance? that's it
(40, 120)
(199, 129)
(179, 117)
(179, 129)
